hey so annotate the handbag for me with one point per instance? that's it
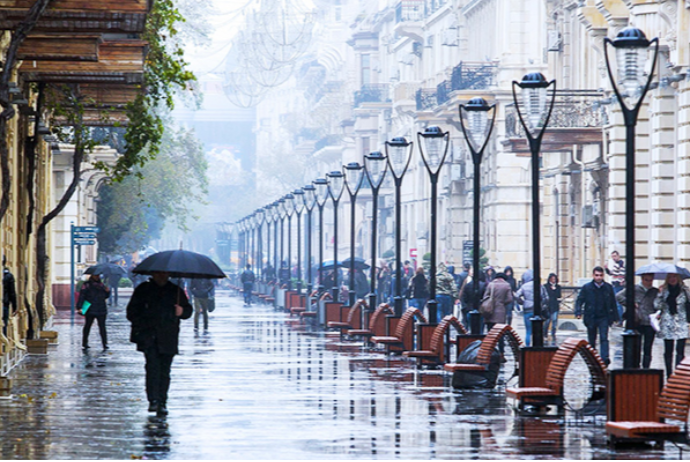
(211, 304)
(486, 308)
(85, 307)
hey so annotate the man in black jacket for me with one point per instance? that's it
(600, 311)
(155, 311)
(9, 296)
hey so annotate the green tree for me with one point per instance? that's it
(135, 210)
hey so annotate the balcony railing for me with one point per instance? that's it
(409, 10)
(372, 93)
(426, 99)
(473, 76)
(573, 109)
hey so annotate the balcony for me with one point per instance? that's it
(425, 99)
(409, 10)
(372, 93)
(473, 76)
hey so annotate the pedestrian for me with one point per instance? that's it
(247, 278)
(9, 296)
(468, 298)
(361, 284)
(463, 274)
(645, 297)
(419, 289)
(283, 273)
(155, 310)
(673, 300)
(615, 268)
(383, 283)
(553, 289)
(446, 291)
(490, 273)
(203, 291)
(501, 295)
(114, 283)
(510, 279)
(95, 293)
(525, 297)
(596, 304)
(269, 273)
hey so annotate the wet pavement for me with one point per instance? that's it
(258, 385)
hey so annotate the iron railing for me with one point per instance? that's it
(473, 76)
(426, 99)
(372, 93)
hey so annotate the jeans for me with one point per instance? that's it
(201, 308)
(601, 326)
(248, 287)
(668, 353)
(157, 374)
(418, 303)
(648, 333)
(551, 319)
(445, 306)
(101, 329)
(621, 308)
(527, 316)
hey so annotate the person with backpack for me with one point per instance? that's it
(247, 278)
(202, 291)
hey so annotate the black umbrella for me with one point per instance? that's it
(180, 264)
(106, 269)
(359, 263)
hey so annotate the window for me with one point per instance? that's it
(366, 145)
(366, 69)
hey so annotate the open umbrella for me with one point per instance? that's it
(106, 269)
(328, 265)
(359, 263)
(660, 270)
(180, 264)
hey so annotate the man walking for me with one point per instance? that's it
(202, 291)
(155, 311)
(598, 303)
(247, 278)
(9, 296)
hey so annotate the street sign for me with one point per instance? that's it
(83, 241)
(413, 253)
(84, 235)
(86, 229)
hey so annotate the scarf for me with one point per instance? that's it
(673, 292)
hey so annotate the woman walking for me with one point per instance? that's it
(419, 289)
(553, 289)
(95, 293)
(673, 321)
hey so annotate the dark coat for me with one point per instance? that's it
(419, 286)
(554, 295)
(96, 294)
(467, 297)
(202, 288)
(9, 294)
(152, 314)
(361, 284)
(599, 303)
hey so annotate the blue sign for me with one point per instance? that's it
(86, 229)
(83, 241)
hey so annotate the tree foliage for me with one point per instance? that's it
(134, 211)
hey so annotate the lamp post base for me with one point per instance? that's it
(537, 331)
(398, 306)
(432, 308)
(475, 322)
(632, 349)
(335, 294)
(352, 298)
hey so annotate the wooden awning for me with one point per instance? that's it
(79, 15)
(119, 62)
(98, 118)
(60, 47)
(105, 96)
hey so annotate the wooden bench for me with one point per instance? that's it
(673, 403)
(353, 320)
(489, 344)
(377, 323)
(436, 354)
(403, 338)
(310, 314)
(552, 390)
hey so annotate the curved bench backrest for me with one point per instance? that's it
(379, 316)
(407, 321)
(353, 314)
(674, 400)
(490, 342)
(440, 331)
(555, 375)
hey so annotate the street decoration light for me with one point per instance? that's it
(477, 129)
(537, 112)
(354, 174)
(309, 199)
(375, 167)
(433, 145)
(280, 208)
(268, 217)
(259, 219)
(336, 183)
(276, 217)
(632, 59)
(321, 185)
(288, 210)
(298, 203)
(398, 153)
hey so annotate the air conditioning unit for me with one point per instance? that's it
(450, 38)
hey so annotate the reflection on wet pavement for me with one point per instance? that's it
(259, 386)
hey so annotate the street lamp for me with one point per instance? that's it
(632, 55)
(321, 185)
(433, 144)
(276, 216)
(298, 203)
(336, 183)
(252, 226)
(309, 199)
(259, 218)
(289, 209)
(477, 134)
(375, 167)
(280, 209)
(354, 174)
(268, 217)
(534, 97)
(242, 257)
(398, 153)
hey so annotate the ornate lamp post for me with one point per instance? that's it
(477, 134)
(336, 183)
(632, 54)
(309, 199)
(299, 207)
(433, 144)
(398, 153)
(268, 217)
(321, 185)
(537, 109)
(259, 219)
(252, 226)
(276, 216)
(354, 174)
(375, 167)
(288, 210)
(280, 210)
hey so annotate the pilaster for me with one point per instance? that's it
(683, 175)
